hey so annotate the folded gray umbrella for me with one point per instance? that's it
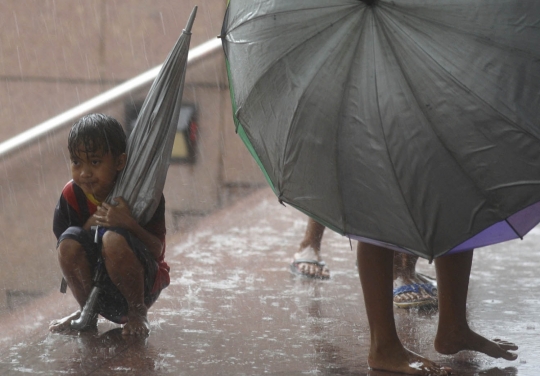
(150, 143)
(149, 152)
(408, 123)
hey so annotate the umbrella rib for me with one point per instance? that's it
(340, 124)
(387, 149)
(407, 79)
(513, 228)
(292, 49)
(488, 41)
(294, 115)
(481, 191)
(488, 197)
(458, 31)
(238, 114)
(257, 18)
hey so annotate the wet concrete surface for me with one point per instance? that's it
(233, 308)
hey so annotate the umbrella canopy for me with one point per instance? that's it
(150, 143)
(414, 124)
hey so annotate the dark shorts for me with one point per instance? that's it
(111, 303)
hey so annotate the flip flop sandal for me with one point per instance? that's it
(427, 279)
(293, 267)
(416, 288)
(430, 288)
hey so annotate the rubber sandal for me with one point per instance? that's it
(293, 267)
(431, 300)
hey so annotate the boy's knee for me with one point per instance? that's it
(69, 249)
(67, 245)
(114, 244)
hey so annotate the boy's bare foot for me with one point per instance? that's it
(451, 342)
(64, 324)
(407, 362)
(308, 263)
(137, 324)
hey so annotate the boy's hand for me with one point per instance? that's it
(92, 221)
(115, 216)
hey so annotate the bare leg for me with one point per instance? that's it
(386, 351)
(405, 266)
(454, 334)
(78, 274)
(310, 249)
(405, 277)
(76, 269)
(127, 273)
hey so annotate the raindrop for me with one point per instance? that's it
(162, 23)
(19, 59)
(16, 24)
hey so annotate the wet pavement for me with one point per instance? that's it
(233, 308)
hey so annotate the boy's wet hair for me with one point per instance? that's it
(97, 132)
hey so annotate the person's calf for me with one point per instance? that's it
(404, 265)
(76, 269)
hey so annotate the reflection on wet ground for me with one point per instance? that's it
(234, 309)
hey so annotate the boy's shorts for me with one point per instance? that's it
(111, 303)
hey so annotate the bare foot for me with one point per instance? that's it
(407, 362)
(137, 324)
(64, 324)
(315, 268)
(452, 341)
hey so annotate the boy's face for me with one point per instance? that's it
(96, 172)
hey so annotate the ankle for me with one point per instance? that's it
(137, 310)
(451, 338)
(308, 252)
(386, 351)
(404, 273)
(310, 244)
(386, 343)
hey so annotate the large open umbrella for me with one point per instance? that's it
(413, 124)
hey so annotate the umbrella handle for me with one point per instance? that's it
(88, 312)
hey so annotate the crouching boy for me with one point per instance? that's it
(132, 255)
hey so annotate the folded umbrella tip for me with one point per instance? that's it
(189, 25)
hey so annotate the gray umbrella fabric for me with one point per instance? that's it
(150, 143)
(414, 124)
